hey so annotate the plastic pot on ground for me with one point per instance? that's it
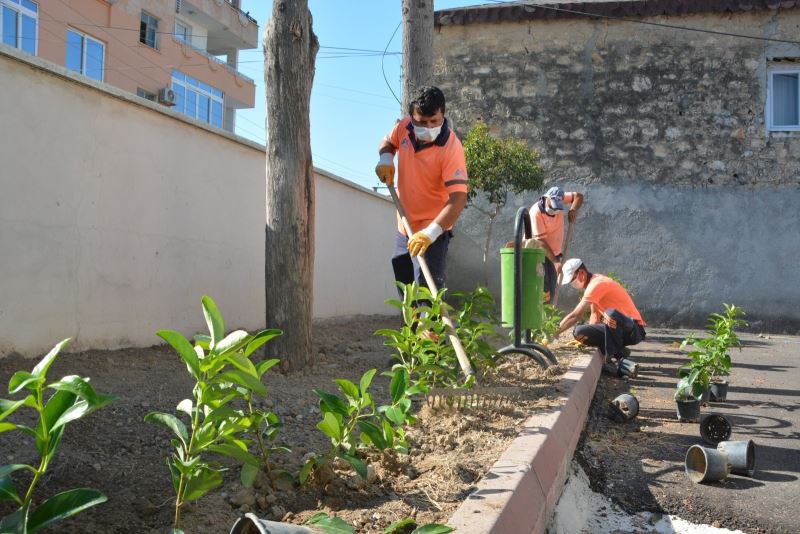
(251, 524)
(688, 410)
(624, 408)
(715, 428)
(706, 465)
(719, 390)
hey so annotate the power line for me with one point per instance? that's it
(645, 22)
(384, 57)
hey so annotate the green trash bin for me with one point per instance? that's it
(532, 291)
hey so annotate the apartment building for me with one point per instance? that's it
(180, 53)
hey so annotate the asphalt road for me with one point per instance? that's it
(640, 465)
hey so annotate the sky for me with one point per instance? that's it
(352, 106)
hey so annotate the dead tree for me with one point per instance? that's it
(417, 47)
(290, 50)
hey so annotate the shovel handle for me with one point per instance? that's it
(461, 354)
(564, 252)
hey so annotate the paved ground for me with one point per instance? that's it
(640, 463)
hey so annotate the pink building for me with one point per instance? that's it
(177, 52)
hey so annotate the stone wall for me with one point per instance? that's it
(688, 197)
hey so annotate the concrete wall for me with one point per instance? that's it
(688, 198)
(117, 215)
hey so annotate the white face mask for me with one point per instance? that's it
(427, 135)
(549, 210)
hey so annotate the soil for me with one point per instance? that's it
(116, 452)
(639, 464)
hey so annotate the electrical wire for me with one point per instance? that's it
(383, 71)
(645, 22)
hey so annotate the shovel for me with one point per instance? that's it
(564, 252)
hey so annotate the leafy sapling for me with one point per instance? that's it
(74, 399)
(226, 381)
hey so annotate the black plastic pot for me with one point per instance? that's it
(714, 428)
(705, 397)
(719, 391)
(688, 410)
(623, 408)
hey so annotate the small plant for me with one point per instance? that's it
(330, 525)
(715, 349)
(409, 526)
(551, 321)
(477, 326)
(224, 377)
(74, 399)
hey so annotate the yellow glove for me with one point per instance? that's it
(385, 169)
(418, 243)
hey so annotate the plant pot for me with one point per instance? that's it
(714, 428)
(719, 391)
(705, 397)
(706, 465)
(624, 408)
(688, 410)
(742, 456)
(628, 368)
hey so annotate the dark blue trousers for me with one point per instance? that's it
(609, 340)
(406, 268)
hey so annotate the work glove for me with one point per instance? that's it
(385, 168)
(420, 241)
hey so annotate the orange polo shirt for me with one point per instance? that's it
(427, 173)
(550, 229)
(605, 293)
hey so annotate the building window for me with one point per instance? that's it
(183, 32)
(147, 95)
(85, 54)
(197, 100)
(148, 30)
(19, 24)
(783, 109)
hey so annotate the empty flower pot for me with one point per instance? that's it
(742, 456)
(715, 428)
(625, 407)
(688, 410)
(719, 391)
(706, 465)
(251, 524)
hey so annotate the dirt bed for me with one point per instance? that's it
(114, 451)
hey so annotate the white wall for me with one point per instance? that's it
(117, 215)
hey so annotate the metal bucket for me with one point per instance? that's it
(706, 465)
(625, 407)
(251, 524)
(742, 456)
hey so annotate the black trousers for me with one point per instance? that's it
(609, 340)
(406, 268)
(550, 280)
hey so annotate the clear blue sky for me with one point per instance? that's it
(352, 107)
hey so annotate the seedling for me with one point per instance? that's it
(225, 377)
(714, 350)
(74, 399)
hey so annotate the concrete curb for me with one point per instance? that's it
(520, 491)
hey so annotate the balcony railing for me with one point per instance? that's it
(240, 12)
(214, 58)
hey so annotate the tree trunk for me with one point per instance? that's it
(290, 49)
(417, 48)
(486, 245)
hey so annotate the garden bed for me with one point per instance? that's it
(116, 452)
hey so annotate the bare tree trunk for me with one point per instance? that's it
(486, 244)
(417, 47)
(290, 49)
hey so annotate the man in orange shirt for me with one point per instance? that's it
(432, 185)
(614, 323)
(547, 220)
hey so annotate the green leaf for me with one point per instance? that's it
(433, 528)
(201, 482)
(373, 433)
(237, 450)
(202, 340)
(261, 338)
(5, 427)
(186, 406)
(330, 426)
(245, 380)
(400, 526)
(356, 463)
(81, 409)
(366, 380)
(248, 474)
(8, 407)
(330, 525)
(41, 368)
(305, 471)
(348, 388)
(243, 364)
(233, 342)
(183, 348)
(398, 385)
(171, 422)
(7, 490)
(388, 433)
(395, 415)
(216, 326)
(266, 365)
(331, 403)
(58, 404)
(7, 469)
(22, 379)
(16, 523)
(62, 506)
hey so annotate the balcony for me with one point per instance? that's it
(229, 28)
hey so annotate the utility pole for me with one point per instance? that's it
(290, 51)
(417, 48)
